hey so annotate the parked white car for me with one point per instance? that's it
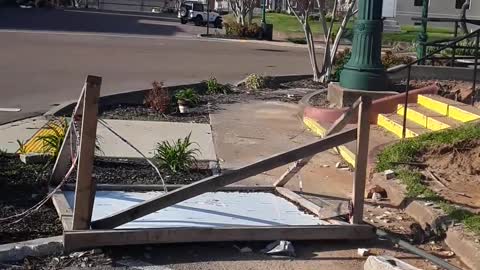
(196, 12)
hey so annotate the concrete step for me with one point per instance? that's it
(427, 118)
(450, 108)
(394, 123)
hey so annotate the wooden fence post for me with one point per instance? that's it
(363, 133)
(83, 192)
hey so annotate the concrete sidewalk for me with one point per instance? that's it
(144, 135)
(20, 130)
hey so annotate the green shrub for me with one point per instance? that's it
(189, 96)
(339, 62)
(389, 59)
(178, 156)
(242, 31)
(255, 82)
(213, 87)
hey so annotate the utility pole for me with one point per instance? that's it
(364, 70)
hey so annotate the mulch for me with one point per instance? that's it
(289, 92)
(138, 171)
(21, 187)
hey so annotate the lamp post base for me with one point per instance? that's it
(371, 79)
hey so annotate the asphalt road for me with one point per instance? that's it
(46, 55)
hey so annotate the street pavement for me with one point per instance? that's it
(46, 55)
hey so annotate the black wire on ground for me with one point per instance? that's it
(405, 245)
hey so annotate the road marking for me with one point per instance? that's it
(10, 109)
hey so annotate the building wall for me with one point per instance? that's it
(438, 8)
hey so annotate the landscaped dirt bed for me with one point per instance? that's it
(290, 92)
(21, 187)
(458, 168)
(139, 112)
(138, 171)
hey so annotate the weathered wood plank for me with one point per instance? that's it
(67, 223)
(63, 159)
(321, 212)
(215, 182)
(338, 125)
(360, 174)
(74, 240)
(61, 204)
(88, 134)
(344, 119)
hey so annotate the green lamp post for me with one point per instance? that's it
(422, 35)
(364, 70)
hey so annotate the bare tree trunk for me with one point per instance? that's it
(311, 50)
(303, 19)
(350, 13)
(463, 16)
(250, 16)
(326, 57)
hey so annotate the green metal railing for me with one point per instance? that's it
(432, 56)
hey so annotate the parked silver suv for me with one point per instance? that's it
(197, 12)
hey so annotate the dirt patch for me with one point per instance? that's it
(455, 90)
(458, 169)
(21, 187)
(305, 83)
(207, 105)
(320, 100)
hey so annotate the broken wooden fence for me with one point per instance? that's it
(82, 232)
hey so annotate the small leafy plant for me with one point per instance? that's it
(255, 82)
(188, 96)
(21, 147)
(178, 156)
(158, 98)
(213, 87)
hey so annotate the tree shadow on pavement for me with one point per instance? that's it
(87, 21)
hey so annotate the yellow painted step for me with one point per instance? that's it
(427, 118)
(394, 123)
(453, 109)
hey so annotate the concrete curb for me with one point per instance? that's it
(274, 43)
(464, 247)
(37, 247)
(278, 79)
(399, 73)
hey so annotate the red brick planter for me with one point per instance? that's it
(381, 105)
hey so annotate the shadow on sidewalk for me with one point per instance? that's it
(87, 21)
